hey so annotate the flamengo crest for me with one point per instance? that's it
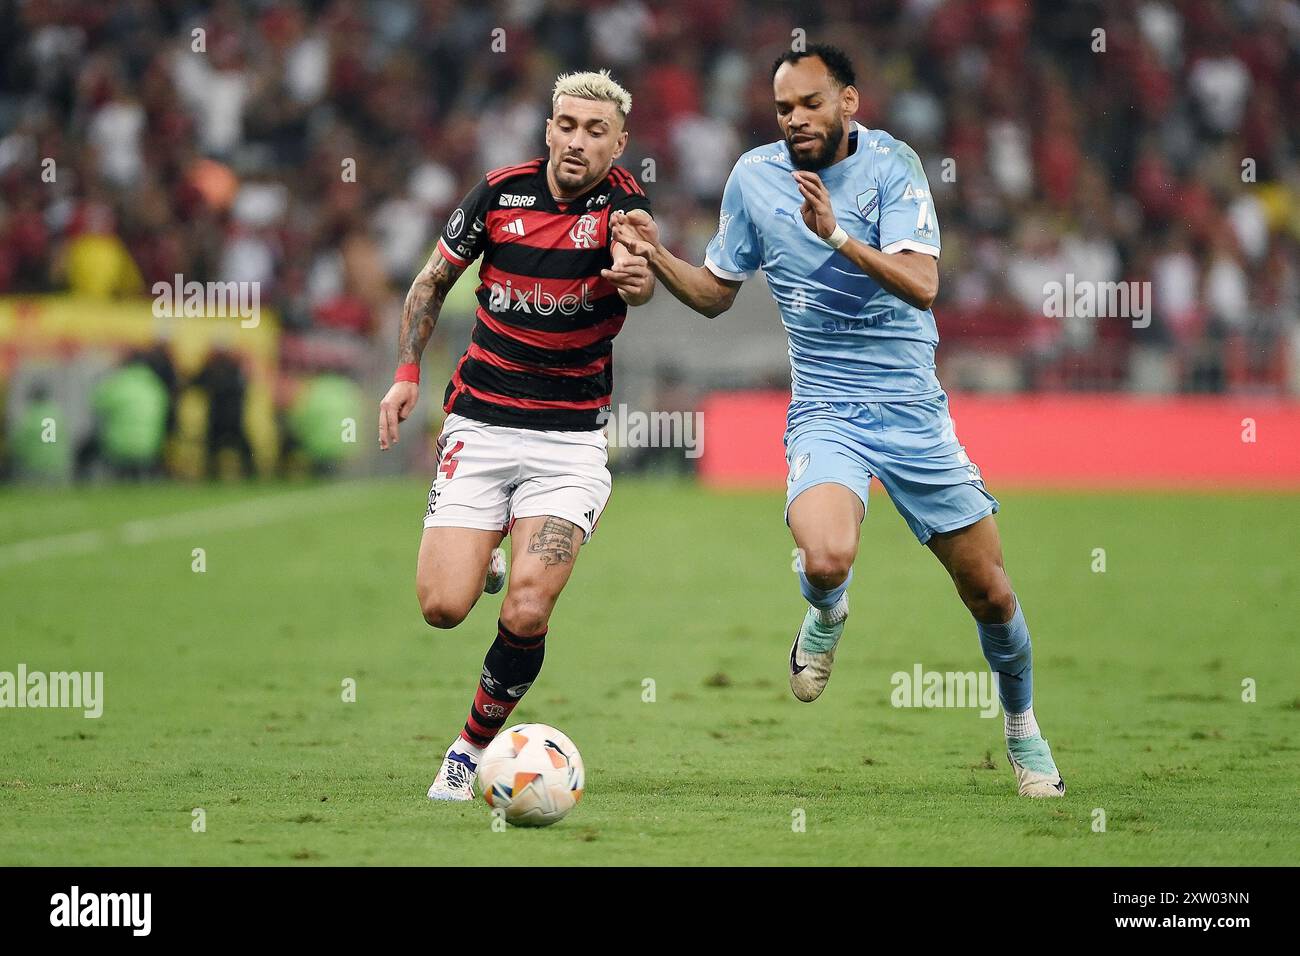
(584, 231)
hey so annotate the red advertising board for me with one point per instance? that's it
(1057, 441)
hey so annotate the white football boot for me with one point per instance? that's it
(813, 652)
(1036, 773)
(496, 575)
(455, 780)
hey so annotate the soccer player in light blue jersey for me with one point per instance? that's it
(841, 221)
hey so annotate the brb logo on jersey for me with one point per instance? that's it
(584, 231)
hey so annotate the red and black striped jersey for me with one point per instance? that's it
(541, 353)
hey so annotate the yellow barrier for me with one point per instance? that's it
(60, 326)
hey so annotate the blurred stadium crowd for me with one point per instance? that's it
(1169, 157)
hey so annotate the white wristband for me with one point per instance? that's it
(837, 238)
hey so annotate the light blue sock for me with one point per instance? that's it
(822, 600)
(1006, 647)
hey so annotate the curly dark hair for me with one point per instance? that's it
(837, 61)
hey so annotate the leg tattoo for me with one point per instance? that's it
(554, 542)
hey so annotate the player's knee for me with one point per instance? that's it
(443, 610)
(526, 610)
(827, 565)
(444, 616)
(990, 598)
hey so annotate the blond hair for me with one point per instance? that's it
(593, 86)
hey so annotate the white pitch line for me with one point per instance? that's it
(58, 546)
(227, 517)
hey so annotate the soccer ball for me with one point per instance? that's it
(533, 773)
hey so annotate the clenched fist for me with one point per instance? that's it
(637, 231)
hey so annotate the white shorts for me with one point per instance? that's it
(489, 475)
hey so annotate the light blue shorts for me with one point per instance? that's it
(910, 446)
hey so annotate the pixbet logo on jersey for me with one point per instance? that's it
(509, 297)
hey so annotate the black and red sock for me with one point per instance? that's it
(509, 669)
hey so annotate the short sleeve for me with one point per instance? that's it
(907, 219)
(627, 194)
(465, 235)
(734, 253)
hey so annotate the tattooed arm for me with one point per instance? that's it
(419, 316)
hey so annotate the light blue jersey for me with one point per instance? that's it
(865, 400)
(850, 340)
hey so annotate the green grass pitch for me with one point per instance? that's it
(223, 689)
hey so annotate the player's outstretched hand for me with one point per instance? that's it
(631, 276)
(396, 407)
(636, 230)
(816, 209)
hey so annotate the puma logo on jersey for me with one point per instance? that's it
(510, 199)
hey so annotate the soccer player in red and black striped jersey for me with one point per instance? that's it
(522, 451)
